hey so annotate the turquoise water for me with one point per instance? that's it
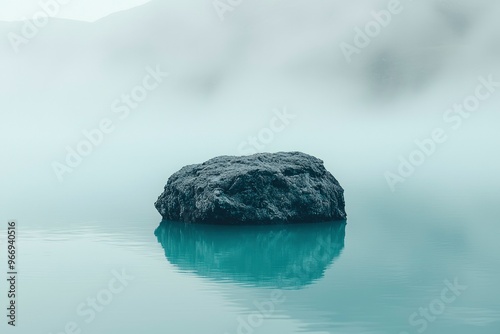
(92, 255)
(392, 260)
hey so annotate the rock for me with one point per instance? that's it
(264, 188)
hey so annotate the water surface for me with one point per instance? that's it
(367, 276)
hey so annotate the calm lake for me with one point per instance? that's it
(395, 267)
(96, 116)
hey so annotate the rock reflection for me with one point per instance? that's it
(288, 256)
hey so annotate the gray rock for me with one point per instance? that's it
(264, 188)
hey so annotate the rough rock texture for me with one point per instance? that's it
(263, 188)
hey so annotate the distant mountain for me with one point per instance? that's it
(257, 44)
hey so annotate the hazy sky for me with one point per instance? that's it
(227, 78)
(88, 10)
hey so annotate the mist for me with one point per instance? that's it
(227, 80)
